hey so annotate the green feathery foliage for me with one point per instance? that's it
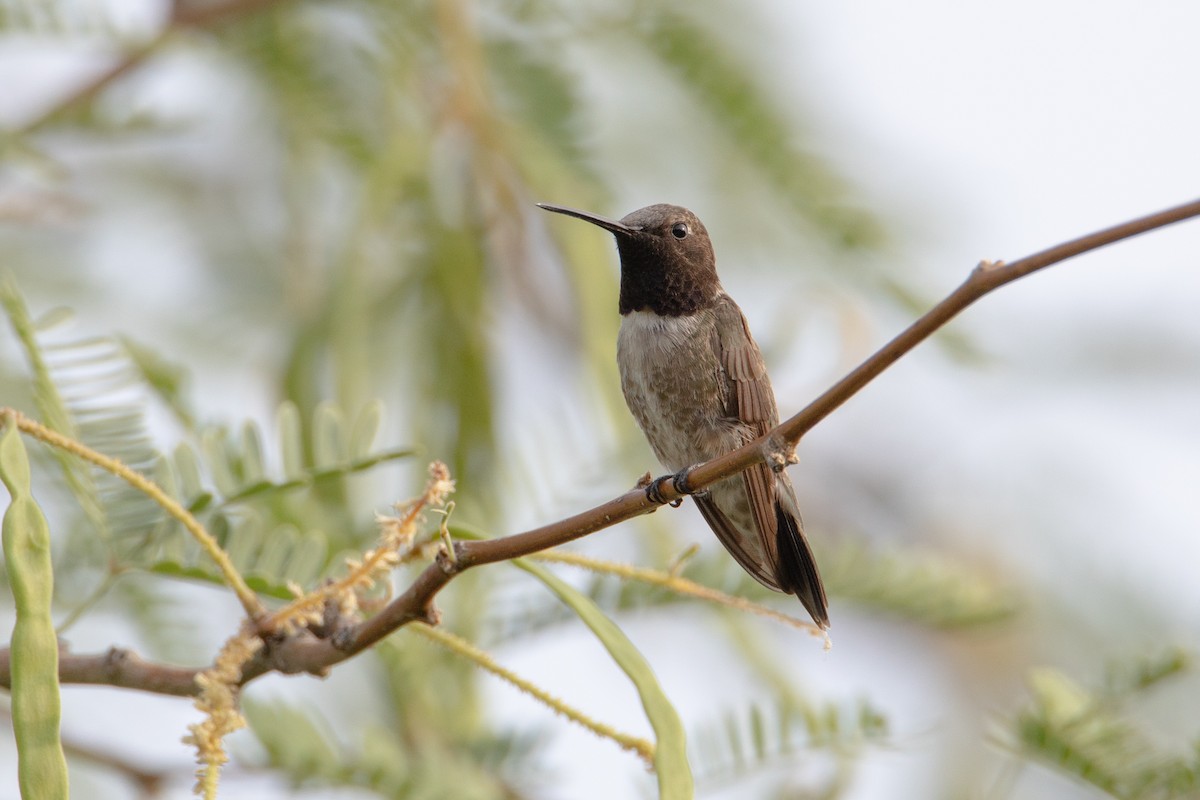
(303, 746)
(736, 102)
(92, 391)
(257, 516)
(51, 407)
(749, 740)
(1090, 736)
(928, 590)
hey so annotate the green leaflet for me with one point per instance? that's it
(293, 740)
(243, 511)
(166, 379)
(303, 743)
(670, 755)
(740, 741)
(270, 558)
(1092, 737)
(49, 402)
(923, 587)
(36, 705)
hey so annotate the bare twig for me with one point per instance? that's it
(982, 280)
(117, 667)
(306, 653)
(182, 17)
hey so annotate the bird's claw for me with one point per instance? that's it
(654, 492)
(679, 481)
(682, 481)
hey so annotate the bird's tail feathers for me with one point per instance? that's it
(798, 568)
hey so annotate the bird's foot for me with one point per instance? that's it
(649, 485)
(683, 484)
(654, 492)
(779, 454)
(679, 481)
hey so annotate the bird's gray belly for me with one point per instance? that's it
(675, 386)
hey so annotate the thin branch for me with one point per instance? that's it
(182, 17)
(417, 602)
(306, 653)
(986, 277)
(87, 91)
(117, 667)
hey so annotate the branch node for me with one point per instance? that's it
(987, 265)
(343, 639)
(448, 545)
(447, 559)
(778, 452)
(429, 614)
(114, 659)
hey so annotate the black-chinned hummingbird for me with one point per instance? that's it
(695, 381)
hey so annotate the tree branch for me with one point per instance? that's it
(417, 602)
(117, 667)
(182, 17)
(306, 653)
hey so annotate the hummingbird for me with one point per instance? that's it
(695, 381)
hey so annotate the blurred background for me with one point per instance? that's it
(324, 212)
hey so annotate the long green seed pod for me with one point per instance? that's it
(36, 706)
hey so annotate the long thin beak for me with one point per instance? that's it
(604, 222)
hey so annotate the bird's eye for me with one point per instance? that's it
(679, 230)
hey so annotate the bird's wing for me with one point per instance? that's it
(751, 402)
(729, 535)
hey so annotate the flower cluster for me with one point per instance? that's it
(219, 685)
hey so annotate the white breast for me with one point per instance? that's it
(673, 384)
(649, 337)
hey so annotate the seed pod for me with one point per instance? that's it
(36, 706)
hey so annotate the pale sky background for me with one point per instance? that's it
(979, 131)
